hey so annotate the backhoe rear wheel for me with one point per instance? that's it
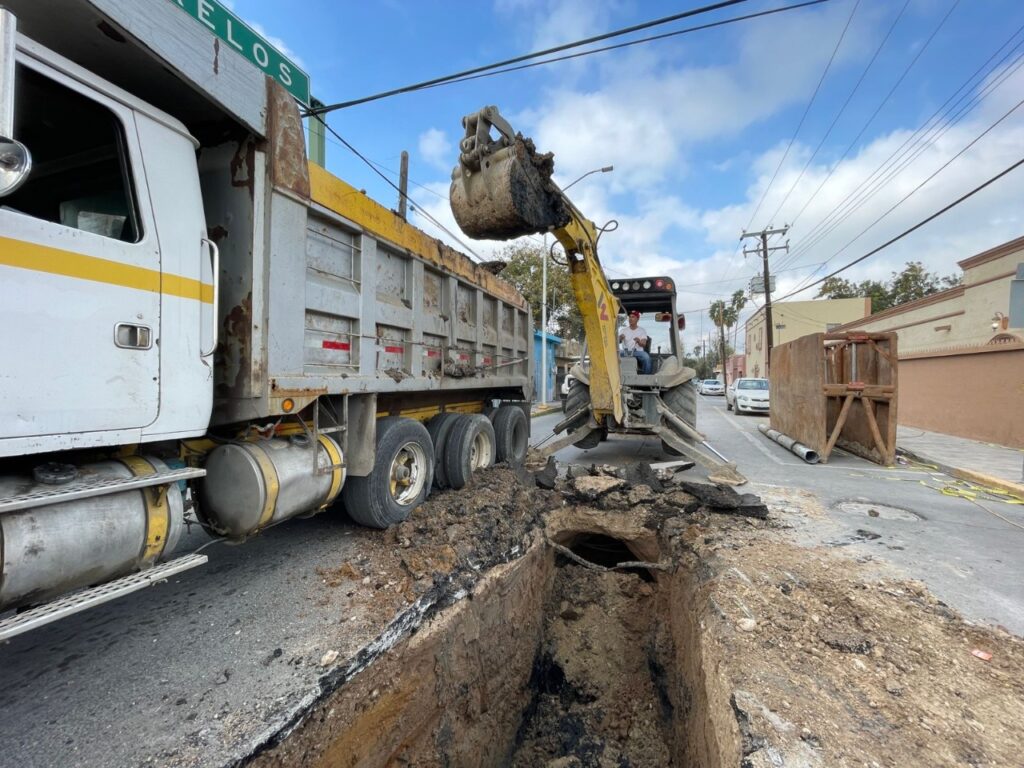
(682, 401)
(579, 396)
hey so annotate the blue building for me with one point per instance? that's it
(544, 373)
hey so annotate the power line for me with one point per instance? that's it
(525, 57)
(699, 28)
(842, 109)
(803, 117)
(874, 114)
(945, 165)
(907, 153)
(914, 228)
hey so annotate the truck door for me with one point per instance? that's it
(80, 274)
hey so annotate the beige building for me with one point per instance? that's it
(961, 368)
(793, 319)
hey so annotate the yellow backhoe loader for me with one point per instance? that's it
(502, 189)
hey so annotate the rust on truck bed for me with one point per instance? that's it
(345, 200)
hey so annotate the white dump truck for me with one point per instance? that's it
(198, 324)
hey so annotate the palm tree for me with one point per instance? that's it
(725, 316)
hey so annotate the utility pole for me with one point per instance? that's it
(403, 184)
(764, 250)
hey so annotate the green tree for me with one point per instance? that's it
(912, 283)
(524, 264)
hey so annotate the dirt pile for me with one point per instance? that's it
(833, 662)
(627, 617)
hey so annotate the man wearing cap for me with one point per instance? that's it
(634, 339)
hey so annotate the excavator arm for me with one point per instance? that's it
(502, 189)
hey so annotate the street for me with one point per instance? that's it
(200, 670)
(969, 558)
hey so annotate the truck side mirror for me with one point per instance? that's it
(15, 159)
(15, 165)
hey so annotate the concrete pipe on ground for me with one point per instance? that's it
(807, 454)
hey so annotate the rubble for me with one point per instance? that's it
(631, 620)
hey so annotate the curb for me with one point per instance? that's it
(1016, 490)
(551, 408)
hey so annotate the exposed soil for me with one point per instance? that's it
(736, 644)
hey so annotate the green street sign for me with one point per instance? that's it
(239, 36)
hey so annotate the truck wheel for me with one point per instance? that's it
(590, 440)
(439, 428)
(470, 446)
(512, 435)
(682, 401)
(403, 470)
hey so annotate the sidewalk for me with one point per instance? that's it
(982, 463)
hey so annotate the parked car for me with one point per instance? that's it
(711, 387)
(748, 396)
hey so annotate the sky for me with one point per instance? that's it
(830, 119)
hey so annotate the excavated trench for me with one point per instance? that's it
(551, 659)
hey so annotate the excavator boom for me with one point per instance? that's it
(502, 189)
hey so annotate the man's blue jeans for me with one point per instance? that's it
(644, 361)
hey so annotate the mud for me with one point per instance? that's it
(520, 638)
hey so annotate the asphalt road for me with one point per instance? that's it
(199, 670)
(969, 558)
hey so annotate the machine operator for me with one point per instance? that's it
(634, 340)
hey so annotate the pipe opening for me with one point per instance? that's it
(605, 551)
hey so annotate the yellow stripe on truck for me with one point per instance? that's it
(54, 261)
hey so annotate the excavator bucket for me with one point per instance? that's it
(502, 188)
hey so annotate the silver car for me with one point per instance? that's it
(711, 387)
(748, 396)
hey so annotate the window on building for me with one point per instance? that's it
(80, 172)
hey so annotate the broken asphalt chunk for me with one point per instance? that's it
(723, 499)
(546, 477)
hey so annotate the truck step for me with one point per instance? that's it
(93, 596)
(100, 486)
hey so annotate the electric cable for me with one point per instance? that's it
(899, 160)
(699, 28)
(842, 109)
(803, 117)
(914, 228)
(321, 110)
(941, 168)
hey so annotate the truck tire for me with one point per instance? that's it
(403, 470)
(682, 401)
(438, 428)
(512, 435)
(470, 446)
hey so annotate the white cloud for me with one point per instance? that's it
(436, 149)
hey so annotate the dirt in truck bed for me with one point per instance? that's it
(726, 640)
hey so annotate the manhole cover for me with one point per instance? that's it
(884, 511)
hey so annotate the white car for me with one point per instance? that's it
(711, 387)
(748, 396)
